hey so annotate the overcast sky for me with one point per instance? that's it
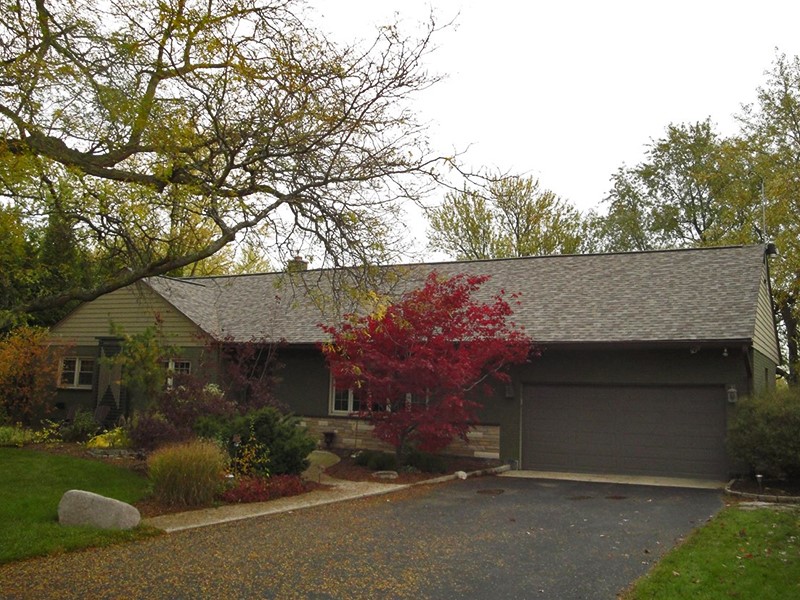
(569, 91)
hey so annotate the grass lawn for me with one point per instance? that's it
(31, 485)
(738, 554)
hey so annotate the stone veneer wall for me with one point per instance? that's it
(355, 434)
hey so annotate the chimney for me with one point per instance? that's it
(298, 263)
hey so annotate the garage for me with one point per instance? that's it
(665, 431)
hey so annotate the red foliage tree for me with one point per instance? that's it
(418, 366)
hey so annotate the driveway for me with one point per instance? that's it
(488, 537)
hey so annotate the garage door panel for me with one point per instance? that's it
(669, 431)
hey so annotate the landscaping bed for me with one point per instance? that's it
(148, 506)
(779, 488)
(348, 469)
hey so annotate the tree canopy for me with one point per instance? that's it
(418, 365)
(696, 187)
(160, 132)
(509, 216)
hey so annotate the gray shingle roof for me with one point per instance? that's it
(707, 294)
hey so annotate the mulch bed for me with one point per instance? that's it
(769, 487)
(349, 470)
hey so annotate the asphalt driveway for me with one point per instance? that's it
(488, 537)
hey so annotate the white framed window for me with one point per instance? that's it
(76, 372)
(176, 366)
(342, 400)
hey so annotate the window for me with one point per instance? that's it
(76, 372)
(176, 366)
(342, 400)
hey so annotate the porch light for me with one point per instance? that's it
(733, 394)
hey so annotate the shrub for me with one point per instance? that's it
(251, 457)
(15, 436)
(287, 444)
(82, 427)
(115, 438)
(151, 430)
(28, 370)
(376, 460)
(247, 488)
(261, 489)
(425, 462)
(764, 436)
(184, 403)
(188, 473)
(48, 432)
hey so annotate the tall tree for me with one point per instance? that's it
(510, 216)
(696, 188)
(217, 117)
(771, 128)
(674, 197)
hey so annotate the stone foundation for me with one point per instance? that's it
(355, 434)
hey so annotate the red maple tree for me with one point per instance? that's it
(418, 367)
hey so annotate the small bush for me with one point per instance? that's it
(189, 399)
(15, 436)
(425, 462)
(251, 457)
(261, 489)
(48, 432)
(376, 460)
(82, 427)
(252, 488)
(151, 430)
(116, 438)
(763, 435)
(188, 473)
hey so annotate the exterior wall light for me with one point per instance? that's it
(733, 394)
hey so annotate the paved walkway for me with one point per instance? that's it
(338, 491)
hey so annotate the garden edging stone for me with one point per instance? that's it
(761, 497)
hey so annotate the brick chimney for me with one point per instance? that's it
(298, 263)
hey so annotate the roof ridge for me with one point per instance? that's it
(199, 278)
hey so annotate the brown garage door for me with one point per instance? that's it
(661, 431)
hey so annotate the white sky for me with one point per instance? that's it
(567, 90)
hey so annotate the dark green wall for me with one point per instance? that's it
(620, 366)
(304, 382)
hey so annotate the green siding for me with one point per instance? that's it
(765, 336)
(763, 373)
(304, 382)
(133, 309)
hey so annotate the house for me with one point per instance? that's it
(643, 355)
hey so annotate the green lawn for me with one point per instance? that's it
(738, 554)
(31, 485)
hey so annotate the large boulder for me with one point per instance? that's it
(78, 507)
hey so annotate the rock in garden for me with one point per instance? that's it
(385, 474)
(78, 507)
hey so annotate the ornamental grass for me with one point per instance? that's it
(189, 473)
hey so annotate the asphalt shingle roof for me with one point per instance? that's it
(704, 294)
